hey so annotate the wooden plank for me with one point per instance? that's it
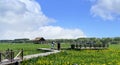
(40, 54)
(45, 49)
(7, 62)
(17, 55)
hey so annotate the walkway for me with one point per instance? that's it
(51, 51)
(41, 54)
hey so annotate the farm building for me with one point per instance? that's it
(39, 40)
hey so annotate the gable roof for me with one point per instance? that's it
(39, 39)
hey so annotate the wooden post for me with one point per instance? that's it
(17, 63)
(21, 54)
(76, 45)
(7, 53)
(72, 46)
(11, 55)
(80, 46)
(58, 46)
(85, 45)
(0, 57)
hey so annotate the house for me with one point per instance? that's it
(39, 40)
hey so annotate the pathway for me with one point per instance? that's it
(50, 51)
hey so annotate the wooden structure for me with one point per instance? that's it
(89, 45)
(15, 60)
(8, 57)
(39, 40)
(48, 52)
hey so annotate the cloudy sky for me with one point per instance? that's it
(56, 19)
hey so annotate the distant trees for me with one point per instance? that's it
(6, 41)
(116, 40)
(23, 40)
(88, 41)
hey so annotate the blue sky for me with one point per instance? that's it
(77, 14)
(59, 19)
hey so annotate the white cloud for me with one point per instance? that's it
(22, 14)
(49, 32)
(24, 19)
(106, 9)
(58, 32)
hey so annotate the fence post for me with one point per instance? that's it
(17, 63)
(80, 45)
(21, 54)
(72, 46)
(11, 55)
(58, 46)
(0, 57)
(7, 54)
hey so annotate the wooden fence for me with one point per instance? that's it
(88, 46)
(10, 55)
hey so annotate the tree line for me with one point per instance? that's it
(115, 40)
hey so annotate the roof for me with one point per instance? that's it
(39, 39)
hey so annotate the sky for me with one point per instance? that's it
(59, 19)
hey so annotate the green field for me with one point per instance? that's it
(110, 56)
(28, 48)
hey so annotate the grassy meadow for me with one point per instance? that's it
(28, 48)
(110, 56)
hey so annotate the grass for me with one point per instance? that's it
(110, 56)
(28, 48)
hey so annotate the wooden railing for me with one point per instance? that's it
(89, 46)
(10, 55)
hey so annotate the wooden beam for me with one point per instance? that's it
(0, 57)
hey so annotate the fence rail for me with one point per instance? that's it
(10, 56)
(89, 46)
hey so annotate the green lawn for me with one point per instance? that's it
(110, 56)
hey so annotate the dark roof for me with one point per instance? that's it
(39, 39)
